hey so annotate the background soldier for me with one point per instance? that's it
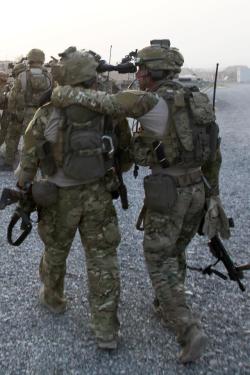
(178, 140)
(32, 82)
(75, 151)
(3, 105)
(11, 127)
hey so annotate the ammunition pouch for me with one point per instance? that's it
(160, 192)
(142, 150)
(44, 193)
(201, 109)
(46, 157)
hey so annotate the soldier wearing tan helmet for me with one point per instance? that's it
(178, 140)
(11, 126)
(32, 82)
(6, 117)
(3, 104)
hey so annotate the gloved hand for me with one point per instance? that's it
(215, 221)
(26, 204)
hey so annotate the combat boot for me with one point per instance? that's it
(165, 321)
(52, 300)
(193, 345)
(108, 341)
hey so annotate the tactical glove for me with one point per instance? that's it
(215, 221)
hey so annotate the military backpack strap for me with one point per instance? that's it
(26, 226)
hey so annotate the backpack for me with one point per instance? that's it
(194, 123)
(35, 84)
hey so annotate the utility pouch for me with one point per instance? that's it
(201, 109)
(83, 158)
(160, 192)
(44, 193)
(47, 161)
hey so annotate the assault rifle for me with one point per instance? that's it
(24, 197)
(122, 189)
(216, 247)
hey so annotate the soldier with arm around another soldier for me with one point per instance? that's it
(179, 141)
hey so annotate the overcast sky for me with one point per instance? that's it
(205, 31)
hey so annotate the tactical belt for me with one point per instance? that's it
(188, 179)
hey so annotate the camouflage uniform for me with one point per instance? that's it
(12, 140)
(168, 233)
(3, 105)
(83, 205)
(31, 83)
(11, 127)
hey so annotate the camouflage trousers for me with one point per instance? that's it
(11, 131)
(89, 209)
(165, 240)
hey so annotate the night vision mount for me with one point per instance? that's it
(127, 65)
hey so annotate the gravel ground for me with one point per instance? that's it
(32, 341)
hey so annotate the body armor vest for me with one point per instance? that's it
(192, 135)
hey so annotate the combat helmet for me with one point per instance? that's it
(75, 67)
(159, 56)
(36, 55)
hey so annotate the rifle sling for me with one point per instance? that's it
(27, 228)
